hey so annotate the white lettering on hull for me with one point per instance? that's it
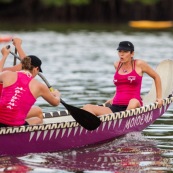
(138, 120)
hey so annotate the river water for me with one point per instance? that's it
(80, 65)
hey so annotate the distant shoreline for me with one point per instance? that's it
(67, 27)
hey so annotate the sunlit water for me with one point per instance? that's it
(80, 65)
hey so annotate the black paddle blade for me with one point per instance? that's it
(84, 118)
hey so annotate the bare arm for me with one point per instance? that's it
(41, 90)
(52, 98)
(17, 42)
(152, 73)
(5, 52)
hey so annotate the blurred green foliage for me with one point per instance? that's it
(53, 2)
(79, 2)
(144, 2)
(64, 2)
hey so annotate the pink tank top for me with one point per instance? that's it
(128, 86)
(16, 101)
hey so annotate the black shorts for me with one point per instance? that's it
(5, 125)
(118, 108)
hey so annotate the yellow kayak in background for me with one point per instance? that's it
(148, 24)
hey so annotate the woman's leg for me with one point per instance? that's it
(35, 111)
(97, 110)
(35, 115)
(133, 103)
(34, 121)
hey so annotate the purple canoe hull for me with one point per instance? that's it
(60, 136)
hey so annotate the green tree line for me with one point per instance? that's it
(93, 11)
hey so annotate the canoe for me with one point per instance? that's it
(5, 39)
(147, 24)
(61, 132)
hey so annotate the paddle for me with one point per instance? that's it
(15, 59)
(84, 118)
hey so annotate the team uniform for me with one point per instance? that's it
(128, 86)
(16, 101)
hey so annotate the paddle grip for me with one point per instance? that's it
(8, 46)
(51, 89)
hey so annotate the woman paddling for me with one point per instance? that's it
(20, 91)
(35, 111)
(128, 80)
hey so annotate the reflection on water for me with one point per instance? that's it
(131, 153)
(80, 65)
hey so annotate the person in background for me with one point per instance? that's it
(20, 91)
(35, 111)
(128, 80)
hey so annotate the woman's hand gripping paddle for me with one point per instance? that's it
(84, 118)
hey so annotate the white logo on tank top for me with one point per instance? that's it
(18, 92)
(131, 78)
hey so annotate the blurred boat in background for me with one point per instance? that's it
(5, 39)
(147, 24)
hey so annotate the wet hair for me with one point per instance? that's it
(26, 64)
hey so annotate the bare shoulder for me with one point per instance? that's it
(38, 87)
(140, 62)
(7, 76)
(37, 83)
(7, 73)
(143, 65)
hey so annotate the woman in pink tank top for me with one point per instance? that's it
(35, 111)
(128, 80)
(20, 91)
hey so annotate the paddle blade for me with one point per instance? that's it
(84, 118)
